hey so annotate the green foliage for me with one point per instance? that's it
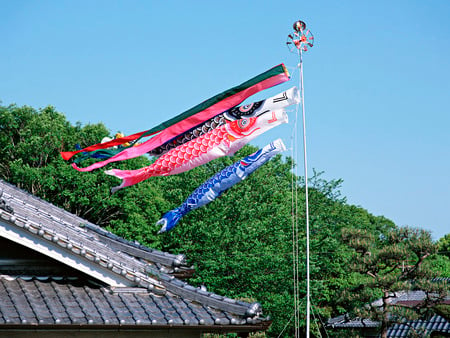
(440, 264)
(386, 263)
(241, 243)
(444, 245)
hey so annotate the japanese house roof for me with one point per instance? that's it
(98, 278)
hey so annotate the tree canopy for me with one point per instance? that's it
(241, 243)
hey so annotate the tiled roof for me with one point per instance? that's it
(434, 324)
(413, 298)
(135, 284)
(74, 301)
(343, 321)
(405, 298)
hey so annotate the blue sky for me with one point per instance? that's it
(377, 81)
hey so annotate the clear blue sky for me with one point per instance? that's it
(377, 81)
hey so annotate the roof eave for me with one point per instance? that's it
(262, 326)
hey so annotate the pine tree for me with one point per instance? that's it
(386, 264)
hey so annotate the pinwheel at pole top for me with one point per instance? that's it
(301, 39)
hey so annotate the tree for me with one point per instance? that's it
(386, 264)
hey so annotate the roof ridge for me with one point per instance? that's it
(141, 251)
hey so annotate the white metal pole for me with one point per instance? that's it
(308, 296)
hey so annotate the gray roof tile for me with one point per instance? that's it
(434, 324)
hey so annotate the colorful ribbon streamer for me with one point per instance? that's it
(185, 121)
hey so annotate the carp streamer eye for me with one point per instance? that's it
(246, 108)
(243, 123)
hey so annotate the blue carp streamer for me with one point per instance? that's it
(221, 182)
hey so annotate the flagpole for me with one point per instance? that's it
(305, 161)
(301, 40)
